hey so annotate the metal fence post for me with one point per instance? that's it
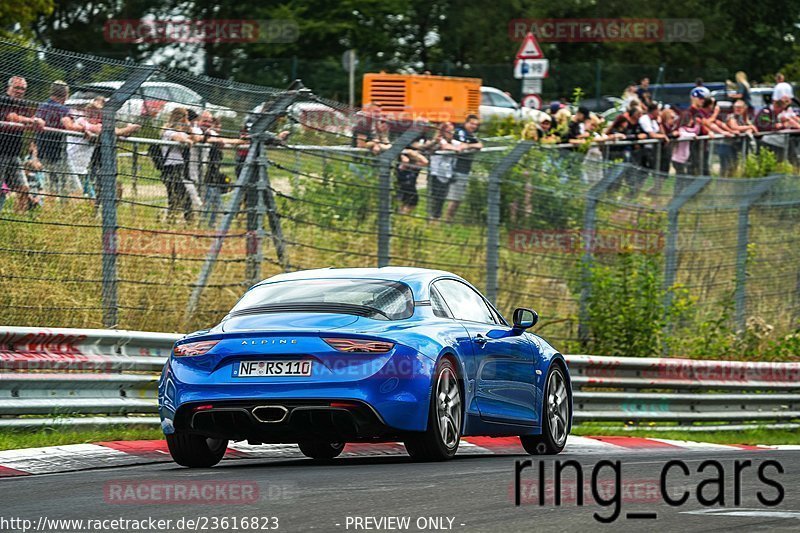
(493, 215)
(272, 216)
(613, 174)
(741, 245)
(264, 122)
(256, 209)
(108, 191)
(385, 192)
(671, 248)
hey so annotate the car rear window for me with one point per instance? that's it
(392, 299)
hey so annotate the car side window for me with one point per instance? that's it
(464, 302)
(439, 307)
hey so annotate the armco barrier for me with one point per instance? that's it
(94, 377)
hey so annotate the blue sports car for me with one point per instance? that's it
(325, 357)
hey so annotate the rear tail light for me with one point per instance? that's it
(360, 345)
(193, 348)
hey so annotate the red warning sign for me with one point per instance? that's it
(530, 49)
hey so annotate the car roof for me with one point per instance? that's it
(417, 278)
(118, 84)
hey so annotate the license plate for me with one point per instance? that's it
(249, 369)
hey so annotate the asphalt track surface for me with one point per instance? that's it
(474, 490)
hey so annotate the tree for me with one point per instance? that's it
(16, 16)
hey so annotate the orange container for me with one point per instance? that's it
(420, 96)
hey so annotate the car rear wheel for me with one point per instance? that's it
(196, 451)
(321, 450)
(440, 441)
(555, 417)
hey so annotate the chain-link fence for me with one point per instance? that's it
(144, 198)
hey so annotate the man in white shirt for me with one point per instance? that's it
(782, 89)
(650, 124)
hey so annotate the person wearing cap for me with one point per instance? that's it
(576, 128)
(545, 131)
(699, 161)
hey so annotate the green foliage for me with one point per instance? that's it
(347, 194)
(765, 163)
(22, 13)
(502, 127)
(626, 313)
(577, 96)
(536, 194)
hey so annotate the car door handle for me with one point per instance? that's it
(480, 339)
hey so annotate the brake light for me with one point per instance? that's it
(359, 345)
(193, 348)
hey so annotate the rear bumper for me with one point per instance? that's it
(386, 403)
(284, 421)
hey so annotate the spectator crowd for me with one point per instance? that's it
(50, 149)
(664, 137)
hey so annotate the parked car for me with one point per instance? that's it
(677, 94)
(154, 99)
(497, 104)
(310, 115)
(760, 97)
(330, 356)
(602, 104)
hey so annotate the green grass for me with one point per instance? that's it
(749, 436)
(15, 439)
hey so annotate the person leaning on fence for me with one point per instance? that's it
(52, 145)
(176, 130)
(576, 128)
(650, 124)
(688, 129)
(215, 182)
(698, 160)
(669, 124)
(81, 149)
(768, 121)
(411, 161)
(739, 123)
(15, 116)
(463, 164)
(379, 137)
(440, 172)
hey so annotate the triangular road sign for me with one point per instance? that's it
(530, 48)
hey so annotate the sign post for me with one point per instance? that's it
(531, 67)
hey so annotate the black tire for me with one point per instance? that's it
(555, 411)
(436, 443)
(196, 451)
(321, 451)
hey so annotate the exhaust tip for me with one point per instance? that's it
(270, 414)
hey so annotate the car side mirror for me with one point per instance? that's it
(525, 318)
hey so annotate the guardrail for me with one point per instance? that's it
(52, 376)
